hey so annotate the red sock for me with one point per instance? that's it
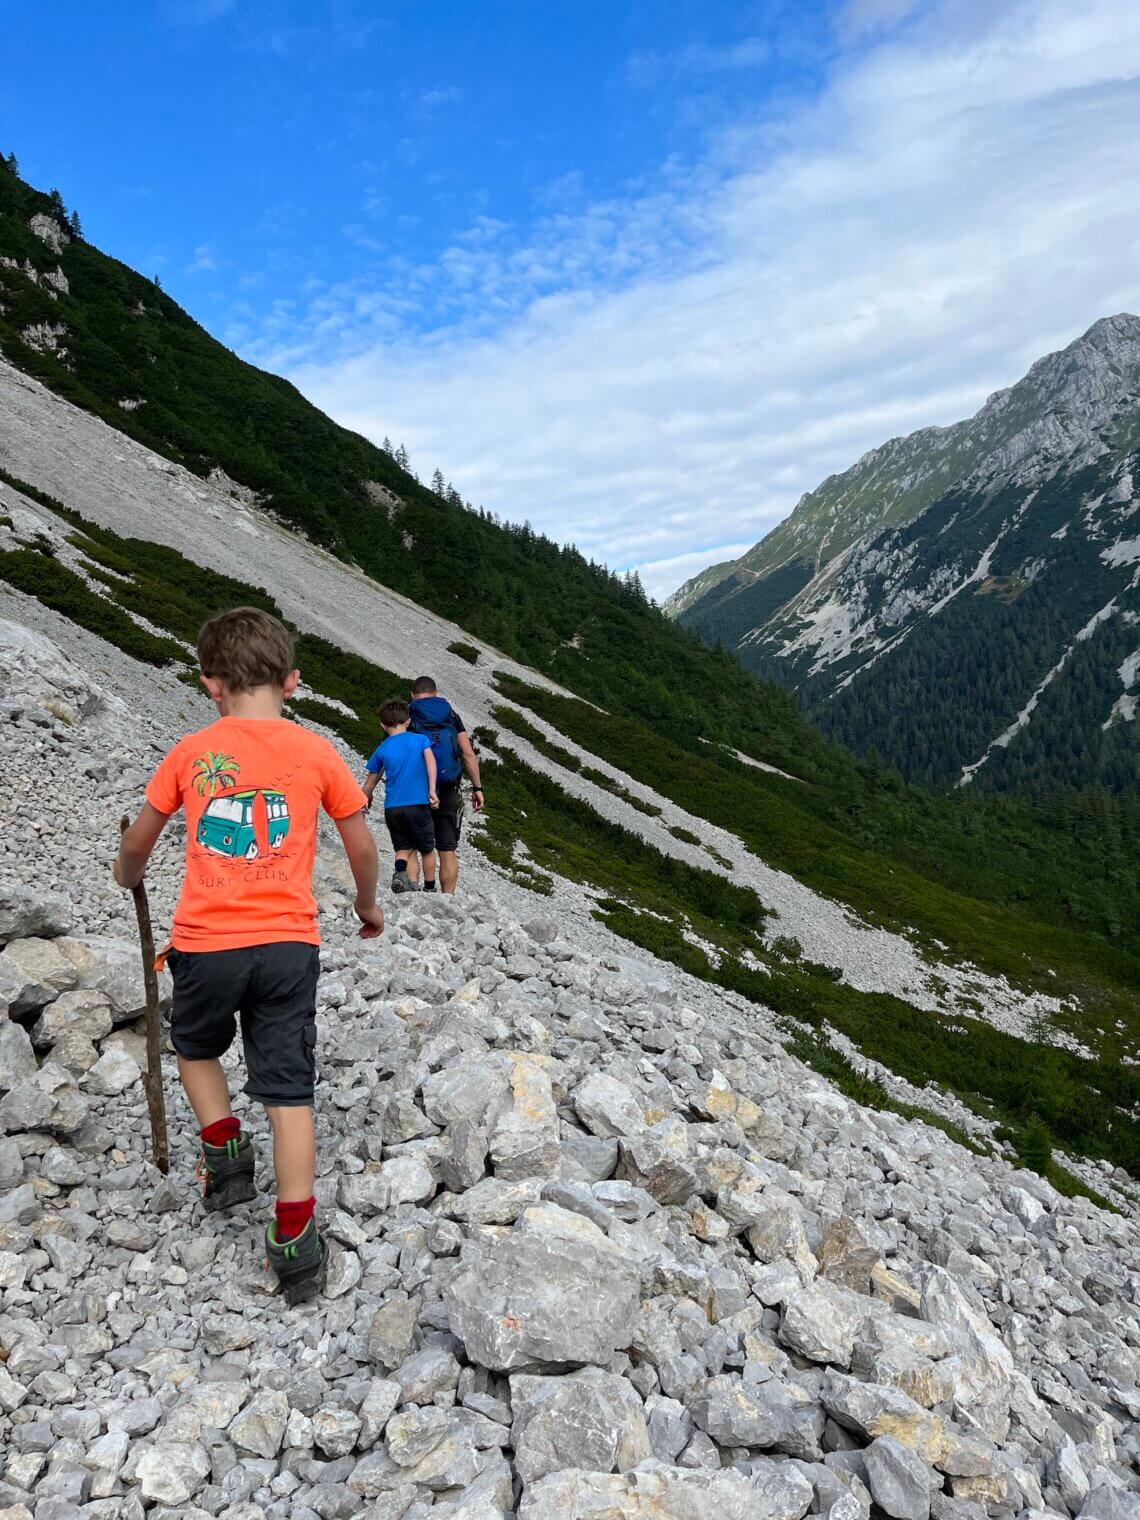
(221, 1130)
(293, 1217)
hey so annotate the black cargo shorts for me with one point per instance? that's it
(274, 990)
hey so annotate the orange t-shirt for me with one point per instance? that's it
(251, 788)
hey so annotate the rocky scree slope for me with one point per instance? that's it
(964, 598)
(601, 1247)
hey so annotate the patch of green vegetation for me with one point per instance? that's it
(721, 860)
(517, 724)
(608, 784)
(565, 835)
(466, 652)
(994, 880)
(173, 593)
(686, 836)
(64, 592)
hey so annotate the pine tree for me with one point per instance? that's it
(437, 482)
(387, 445)
(13, 164)
(58, 209)
(75, 225)
(401, 457)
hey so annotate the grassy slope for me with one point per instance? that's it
(978, 875)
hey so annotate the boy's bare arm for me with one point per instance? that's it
(369, 785)
(136, 844)
(433, 775)
(360, 847)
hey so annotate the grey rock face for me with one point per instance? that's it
(47, 1100)
(655, 1489)
(17, 1058)
(899, 1481)
(553, 1290)
(591, 1420)
(822, 1322)
(25, 913)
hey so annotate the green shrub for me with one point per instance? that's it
(686, 836)
(62, 590)
(466, 652)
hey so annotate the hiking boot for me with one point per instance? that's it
(400, 882)
(226, 1173)
(301, 1264)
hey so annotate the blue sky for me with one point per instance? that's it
(642, 273)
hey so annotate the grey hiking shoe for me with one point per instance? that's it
(301, 1264)
(400, 882)
(226, 1173)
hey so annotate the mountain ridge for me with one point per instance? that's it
(875, 555)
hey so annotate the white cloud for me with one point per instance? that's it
(205, 260)
(445, 95)
(648, 69)
(659, 378)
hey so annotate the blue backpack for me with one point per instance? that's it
(435, 718)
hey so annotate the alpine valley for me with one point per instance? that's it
(964, 602)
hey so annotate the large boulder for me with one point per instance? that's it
(592, 1420)
(822, 1321)
(21, 996)
(49, 1100)
(84, 1013)
(25, 914)
(607, 1107)
(114, 968)
(552, 1290)
(34, 672)
(657, 1160)
(899, 1481)
(524, 1138)
(17, 1058)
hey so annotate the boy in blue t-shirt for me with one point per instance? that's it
(408, 766)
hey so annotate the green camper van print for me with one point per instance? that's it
(248, 824)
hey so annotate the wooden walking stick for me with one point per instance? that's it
(152, 1077)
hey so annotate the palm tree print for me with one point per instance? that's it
(216, 772)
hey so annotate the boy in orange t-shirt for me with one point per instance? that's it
(245, 930)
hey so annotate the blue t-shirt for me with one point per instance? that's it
(400, 760)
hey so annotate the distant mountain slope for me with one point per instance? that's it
(965, 600)
(109, 340)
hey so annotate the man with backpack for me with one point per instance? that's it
(435, 718)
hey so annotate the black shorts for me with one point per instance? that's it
(446, 818)
(410, 828)
(274, 989)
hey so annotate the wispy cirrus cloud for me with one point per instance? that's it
(205, 260)
(648, 69)
(441, 95)
(659, 376)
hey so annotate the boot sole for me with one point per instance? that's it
(241, 1190)
(304, 1292)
